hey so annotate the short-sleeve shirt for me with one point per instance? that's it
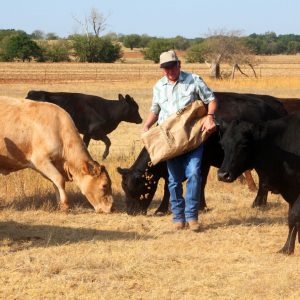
(168, 98)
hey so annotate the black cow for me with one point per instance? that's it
(94, 117)
(231, 106)
(273, 150)
(140, 181)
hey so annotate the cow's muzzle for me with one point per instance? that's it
(225, 176)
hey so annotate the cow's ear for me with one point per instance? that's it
(97, 169)
(92, 168)
(122, 171)
(86, 168)
(128, 98)
(121, 97)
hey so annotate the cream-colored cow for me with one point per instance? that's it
(43, 137)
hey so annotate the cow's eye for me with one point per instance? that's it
(137, 180)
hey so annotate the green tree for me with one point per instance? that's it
(155, 48)
(4, 33)
(180, 43)
(113, 36)
(56, 51)
(132, 41)
(145, 39)
(96, 49)
(293, 47)
(226, 48)
(269, 43)
(38, 35)
(19, 46)
(196, 53)
(91, 47)
(51, 36)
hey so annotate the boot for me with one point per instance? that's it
(194, 225)
(179, 225)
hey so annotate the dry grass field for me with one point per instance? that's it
(47, 254)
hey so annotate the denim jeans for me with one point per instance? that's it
(185, 166)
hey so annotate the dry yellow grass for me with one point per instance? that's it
(46, 254)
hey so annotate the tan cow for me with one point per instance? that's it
(43, 137)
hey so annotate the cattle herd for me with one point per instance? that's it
(257, 132)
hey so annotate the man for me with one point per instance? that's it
(172, 92)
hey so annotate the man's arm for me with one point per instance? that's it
(151, 119)
(211, 108)
(209, 124)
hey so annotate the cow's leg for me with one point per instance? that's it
(61, 198)
(294, 226)
(107, 143)
(164, 205)
(250, 182)
(204, 173)
(262, 194)
(50, 172)
(104, 138)
(86, 140)
(247, 177)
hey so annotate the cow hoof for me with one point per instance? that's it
(205, 210)
(161, 213)
(259, 205)
(286, 251)
(104, 155)
(64, 208)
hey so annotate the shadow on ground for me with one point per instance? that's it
(18, 236)
(47, 202)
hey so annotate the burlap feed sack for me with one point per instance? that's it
(180, 133)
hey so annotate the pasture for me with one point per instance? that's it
(47, 254)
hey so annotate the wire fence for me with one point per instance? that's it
(81, 72)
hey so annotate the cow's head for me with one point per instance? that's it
(131, 110)
(95, 184)
(139, 188)
(36, 95)
(238, 144)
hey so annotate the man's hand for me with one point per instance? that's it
(209, 124)
(144, 129)
(151, 119)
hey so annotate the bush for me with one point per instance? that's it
(195, 54)
(96, 49)
(132, 41)
(155, 48)
(56, 51)
(19, 46)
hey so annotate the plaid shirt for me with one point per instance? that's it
(169, 98)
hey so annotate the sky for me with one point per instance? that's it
(160, 18)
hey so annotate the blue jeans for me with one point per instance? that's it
(185, 166)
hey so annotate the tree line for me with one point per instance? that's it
(17, 44)
(219, 47)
